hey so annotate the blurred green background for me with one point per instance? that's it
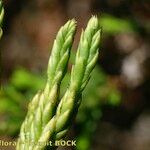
(114, 114)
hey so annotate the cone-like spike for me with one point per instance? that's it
(49, 118)
(1, 18)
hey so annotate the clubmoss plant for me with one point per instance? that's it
(49, 117)
(1, 18)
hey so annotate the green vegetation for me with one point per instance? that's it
(1, 17)
(48, 117)
(24, 84)
(113, 25)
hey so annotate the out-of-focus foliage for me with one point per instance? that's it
(114, 25)
(22, 85)
(14, 98)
